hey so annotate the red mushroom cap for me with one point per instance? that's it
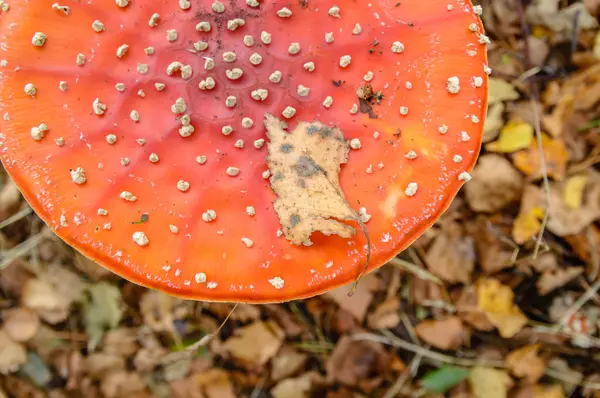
(135, 130)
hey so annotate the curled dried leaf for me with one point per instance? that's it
(305, 165)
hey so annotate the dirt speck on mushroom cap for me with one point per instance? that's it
(438, 44)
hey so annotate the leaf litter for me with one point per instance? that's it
(471, 309)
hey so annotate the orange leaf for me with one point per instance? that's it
(555, 152)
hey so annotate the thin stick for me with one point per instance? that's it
(416, 270)
(206, 339)
(22, 249)
(16, 217)
(534, 99)
(436, 356)
(425, 353)
(395, 389)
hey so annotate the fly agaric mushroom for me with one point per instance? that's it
(137, 131)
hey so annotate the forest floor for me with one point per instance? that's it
(499, 299)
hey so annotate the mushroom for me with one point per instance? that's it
(141, 163)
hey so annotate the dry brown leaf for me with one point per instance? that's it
(43, 298)
(496, 300)
(21, 324)
(555, 278)
(119, 384)
(358, 303)
(12, 354)
(287, 363)
(560, 20)
(255, 344)
(565, 220)
(451, 257)
(556, 156)
(446, 334)
(298, 387)
(98, 364)
(469, 311)
(386, 314)
(526, 363)
(354, 362)
(305, 165)
(495, 184)
(493, 251)
(489, 383)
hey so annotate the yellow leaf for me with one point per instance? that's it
(526, 363)
(496, 301)
(489, 383)
(527, 225)
(514, 136)
(540, 31)
(500, 90)
(573, 191)
(554, 391)
(555, 153)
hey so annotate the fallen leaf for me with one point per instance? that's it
(496, 183)
(573, 191)
(298, 387)
(493, 122)
(12, 354)
(121, 384)
(254, 345)
(353, 363)
(540, 391)
(386, 314)
(553, 279)
(98, 364)
(286, 363)
(446, 334)
(525, 363)
(43, 298)
(102, 311)
(556, 157)
(469, 311)
(443, 379)
(565, 220)
(21, 324)
(529, 221)
(493, 250)
(560, 20)
(358, 303)
(489, 383)
(305, 165)
(515, 135)
(215, 383)
(500, 90)
(451, 256)
(496, 301)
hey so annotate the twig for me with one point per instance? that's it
(16, 217)
(416, 270)
(534, 99)
(22, 249)
(206, 339)
(425, 353)
(436, 356)
(581, 301)
(395, 389)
